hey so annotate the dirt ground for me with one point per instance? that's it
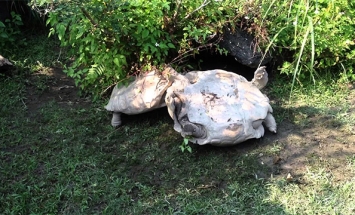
(321, 142)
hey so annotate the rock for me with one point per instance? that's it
(241, 46)
(220, 108)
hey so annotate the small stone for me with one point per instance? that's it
(277, 160)
(289, 177)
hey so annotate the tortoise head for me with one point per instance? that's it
(260, 78)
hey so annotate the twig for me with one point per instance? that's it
(200, 48)
(45, 11)
(205, 3)
(89, 17)
(107, 88)
(60, 52)
(177, 10)
(24, 104)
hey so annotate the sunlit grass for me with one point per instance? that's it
(317, 194)
(326, 97)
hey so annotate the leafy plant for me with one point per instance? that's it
(9, 32)
(110, 40)
(319, 34)
(185, 145)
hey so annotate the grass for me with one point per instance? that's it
(326, 97)
(60, 162)
(319, 196)
(67, 159)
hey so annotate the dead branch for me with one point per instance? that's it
(191, 50)
(87, 15)
(177, 10)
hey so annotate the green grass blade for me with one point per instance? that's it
(267, 12)
(270, 44)
(305, 37)
(310, 25)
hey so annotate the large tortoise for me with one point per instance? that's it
(221, 108)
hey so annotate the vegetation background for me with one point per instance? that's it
(108, 41)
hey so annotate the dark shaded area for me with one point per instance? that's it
(4, 11)
(30, 18)
(208, 60)
(152, 117)
(240, 44)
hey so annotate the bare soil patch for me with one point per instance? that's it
(52, 85)
(315, 146)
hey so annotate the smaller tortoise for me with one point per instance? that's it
(221, 108)
(144, 94)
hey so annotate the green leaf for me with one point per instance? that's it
(145, 33)
(4, 35)
(93, 46)
(189, 149)
(162, 46)
(61, 31)
(171, 45)
(41, 2)
(116, 61)
(79, 34)
(182, 148)
(2, 25)
(139, 29)
(122, 59)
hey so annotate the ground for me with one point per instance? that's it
(297, 145)
(59, 150)
(320, 139)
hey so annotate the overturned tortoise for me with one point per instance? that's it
(221, 108)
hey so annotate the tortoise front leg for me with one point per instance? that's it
(116, 119)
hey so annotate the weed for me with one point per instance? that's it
(185, 145)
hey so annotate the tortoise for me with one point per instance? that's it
(221, 108)
(144, 94)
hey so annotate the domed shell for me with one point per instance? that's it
(230, 108)
(142, 95)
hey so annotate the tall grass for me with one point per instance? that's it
(319, 36)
